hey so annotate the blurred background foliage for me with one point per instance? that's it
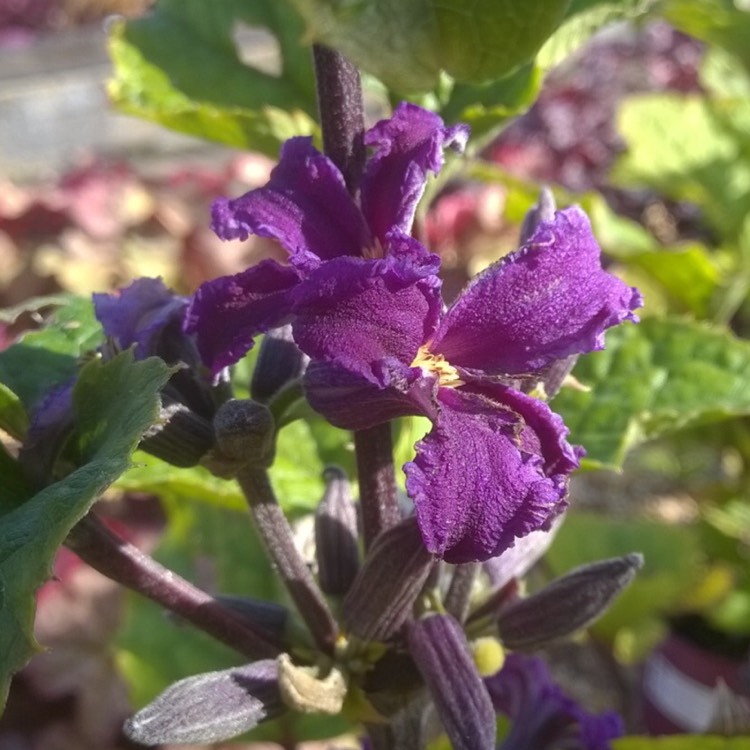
(638, 110)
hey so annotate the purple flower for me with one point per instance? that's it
(495, 465)
(306, 207)
(542, 716)
(364, 301)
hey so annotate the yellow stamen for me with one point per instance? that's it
(436, 364)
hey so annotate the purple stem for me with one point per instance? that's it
(341, 111)
(342, 121)
(275, 531)
(124, 563)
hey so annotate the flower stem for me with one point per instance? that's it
(458, 599)
(124, 563)
(342, 121)
(277, 535)
(341, 113)
(377, 481)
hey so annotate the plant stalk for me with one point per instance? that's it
(123, 562)
(276, 533)
(342, 120)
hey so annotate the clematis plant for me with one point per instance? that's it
(365, 304)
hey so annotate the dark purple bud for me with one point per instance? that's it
(244, 437)
(210, 707)
(567, 604)
(542, 210)
(385, 589)
(731, 713)
(180, 436)
(268, 616)
(336, 545)
(439, 648)
(279, 363)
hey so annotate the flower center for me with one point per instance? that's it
(437, 365)
(374, 251)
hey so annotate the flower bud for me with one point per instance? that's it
(180, 436)
(268, 616)
(438, 646)
(279, 362)
(383, 594)
(244, 436)
(336, 546)
(567, 604)
(210, 707)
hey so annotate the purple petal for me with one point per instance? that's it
(439, 648)
(227, 313)
(542, 716)
(544, 302)
(305, 206)
(407, 146)
(353, 403)
(357, 313)
(492, 469)
(139, 313)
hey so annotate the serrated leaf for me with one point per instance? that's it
(49, 356)
(652, 379)
(110, 425)
(407, 43)
(179, 66)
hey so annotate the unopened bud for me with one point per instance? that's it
(336, 546)
(385, 589)
(268, 616)
(209, 707)
(439, 648)
(279, 362)
(244, 435)
(567, 604)
(180, 436)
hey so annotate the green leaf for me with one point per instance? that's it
(47, 357)
(407, 43)
(583, 19)
(725, 23)
(713, 173)
(681, 742)
(652, 379)
(179, 66)
(13, 417)
(485, 107)
(115, 403)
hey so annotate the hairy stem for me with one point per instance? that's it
(342, 120)
(341, 113)
(124, 563)
(377, 481)
(458, 598)
(276, 533)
